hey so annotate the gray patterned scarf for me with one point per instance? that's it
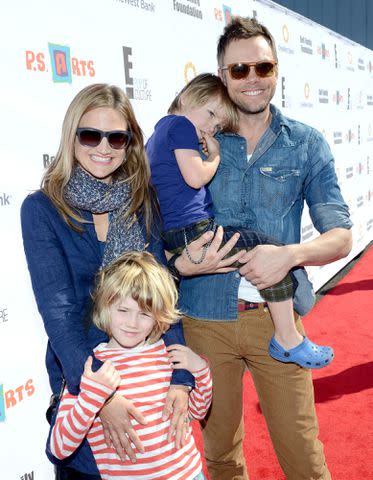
(87, 193)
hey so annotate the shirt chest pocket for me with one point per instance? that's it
(278, 188)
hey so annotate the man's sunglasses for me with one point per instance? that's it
(91, 137)
(239, 71)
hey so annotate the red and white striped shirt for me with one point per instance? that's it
(145, 378)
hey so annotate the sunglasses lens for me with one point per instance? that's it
(239, 71)
(264, 69)
(118, 140)
(90, 138)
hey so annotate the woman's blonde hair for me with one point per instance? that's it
(199, 91)
(134, 170)
(139, 276)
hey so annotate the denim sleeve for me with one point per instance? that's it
(59, 308)
(327, 207)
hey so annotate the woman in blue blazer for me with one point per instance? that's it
(94, 203)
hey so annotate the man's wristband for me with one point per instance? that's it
(172, 267)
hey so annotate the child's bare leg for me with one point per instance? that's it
(282, 315)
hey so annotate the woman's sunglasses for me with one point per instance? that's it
(91, 137)
(239, 71)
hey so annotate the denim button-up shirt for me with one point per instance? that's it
(292, 163)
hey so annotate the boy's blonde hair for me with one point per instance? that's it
(140, 276)
(200, 90)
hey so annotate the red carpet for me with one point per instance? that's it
(343, 390)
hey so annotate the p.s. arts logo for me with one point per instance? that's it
(62, 66)
(14, 396)
(136, 88)
(224, 13)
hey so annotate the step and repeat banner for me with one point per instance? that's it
(52, 49)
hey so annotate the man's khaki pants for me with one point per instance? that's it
(285, 393)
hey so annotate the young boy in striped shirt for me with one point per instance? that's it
(135, 303)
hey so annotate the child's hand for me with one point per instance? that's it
(183, 357)
(106, 374)
(210, 146)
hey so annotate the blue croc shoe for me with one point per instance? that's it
(307, 354)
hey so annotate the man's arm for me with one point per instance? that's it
(266, 265)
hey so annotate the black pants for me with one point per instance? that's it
(66, 473)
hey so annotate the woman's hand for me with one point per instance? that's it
(118, 429)
(182, 356)
(106, 374)
(214, 261)
(177, 404)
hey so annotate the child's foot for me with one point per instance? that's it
(307, 354)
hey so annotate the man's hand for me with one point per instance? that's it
(213, 261)
(177, 405)
(118, 429)
(266, 265)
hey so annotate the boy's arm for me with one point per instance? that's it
(195, 171)
(200, 398)
(76, 415)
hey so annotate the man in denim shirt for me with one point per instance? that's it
(265, 175)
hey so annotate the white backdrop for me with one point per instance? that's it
(51, 49)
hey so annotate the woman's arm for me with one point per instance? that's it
(60, 308)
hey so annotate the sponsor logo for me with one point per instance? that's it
(47, 159)
(136, 88)
(2, 403)
(323, 96)
(148, 6)
(27, 476)
(188, 9)
(349, 136)
(337, 137)
(189, 72)
(285, 102)
(4, 315)
(285, 36)
(5, 199)
(306, 45)
(361, 64)
(370, 137)
(360, 168)
(349, 98)
(323, 51)
(360, 201)
(337, 98)
(358, 135)
(349, 172)
(370, 66)
(307, 232)
(368, 166)
(369, 224)
(369, 100)
(307, 95)
(349, 62)
(336, 58)
(360, 105)
(61, 64)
